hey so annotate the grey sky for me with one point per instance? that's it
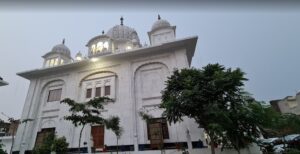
(263, 43)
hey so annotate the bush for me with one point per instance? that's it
(52, 144)
(60, 145)
(1, 148)
(45, 147)
(293, 151)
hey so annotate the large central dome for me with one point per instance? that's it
(121, 32)
(119, 38)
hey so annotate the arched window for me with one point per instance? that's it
(99, 46)
(93, 48)
(105, 45)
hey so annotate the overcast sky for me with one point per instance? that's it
(264, 43)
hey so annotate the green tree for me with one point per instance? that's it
(273, 123)
(113, 123)
(15, 123)
(214, 97)
(266, 117)
(287, 123)
(86, 113)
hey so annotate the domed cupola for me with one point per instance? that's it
(61, 49)
(160, 24)
(161, 32)
(100, 45)
(124, 37)
(60, 54)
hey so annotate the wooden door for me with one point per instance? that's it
(156, 136)
(98, 136)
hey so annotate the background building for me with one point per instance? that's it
(7, 132)
(289, 104)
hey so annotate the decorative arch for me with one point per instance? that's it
(95, 73)
(43, 109)
(148, 82)
(149, 63)
(105, 82)
(48, 123)
(52, 82)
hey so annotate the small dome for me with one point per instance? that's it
(78, 54)
(121, 32)
(61, 48)
(160, 23)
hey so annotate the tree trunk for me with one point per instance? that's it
(212, 146)
(117, 145)
(80, 138)
(13, 140)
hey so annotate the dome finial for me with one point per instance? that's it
(63, 41)
(122, 20)
(158, 17)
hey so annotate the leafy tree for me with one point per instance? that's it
(113, 123)
(14, 123)
(273, 123)
(287, 123)
(213, 96)
(265, 117)
(86, 113)
(293, 151)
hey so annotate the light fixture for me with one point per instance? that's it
(94, 59)
(79, 58)
(128, 47)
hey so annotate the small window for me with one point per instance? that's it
(51, 62)
(54, 95)
(98, 92)
(56, 62)
(47, 63)
(88, 93)
(107, 90)
(105, 45)
(99, 46)
(93, 48)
